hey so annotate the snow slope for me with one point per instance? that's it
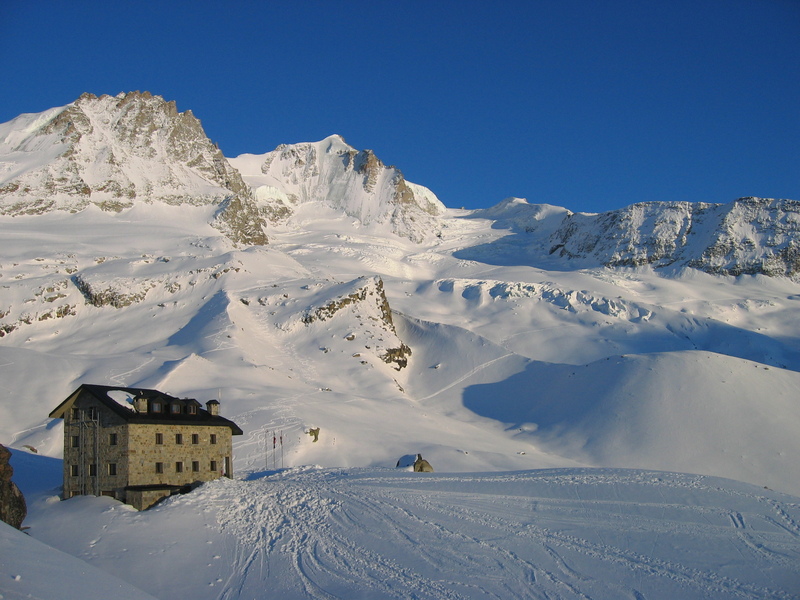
(684, 411)
(155, 297)
(309, 532)
(31, 569)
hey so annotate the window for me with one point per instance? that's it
(76, 413)
(195, 466)
(195, 439)
(213, 438)
(92, 412)
(73, 470)
(112, 469)
(159, 467)
(191, 409)
(178, 438)
(159, 438)
(93, 470)
(179, 467)
(112, 439)
(76, 441)
(213, 466)
(176, 409)
(155, 407)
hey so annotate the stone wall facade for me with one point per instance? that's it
(201, 453)
(90, 450)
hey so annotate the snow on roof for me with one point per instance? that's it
(122, 398)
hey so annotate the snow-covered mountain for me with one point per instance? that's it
(338, 176)
(114, 150)
(747, 236)
(521, 337)
(110, 151)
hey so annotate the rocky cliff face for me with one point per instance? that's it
(754, 235)
(747, 236)
(365, 297)
(12, 503)
(113, 151)
(340, 177)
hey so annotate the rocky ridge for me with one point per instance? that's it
(112, 151)
(368, 292)
(746, 237)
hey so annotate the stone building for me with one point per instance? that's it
(140, 445)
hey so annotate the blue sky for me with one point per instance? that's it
(591, 105)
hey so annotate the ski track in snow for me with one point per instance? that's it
(120, 379)
(466, 376)
(324, 535)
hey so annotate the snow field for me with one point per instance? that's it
(215, 321)
(488, 387)
(310, 532)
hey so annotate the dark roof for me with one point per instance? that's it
(100, 392)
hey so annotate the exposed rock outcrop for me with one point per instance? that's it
(118, 294)
(240, 219)
(367, 292)
(422, 466)
(13, 509)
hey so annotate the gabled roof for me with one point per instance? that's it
(101, 393)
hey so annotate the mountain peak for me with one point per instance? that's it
(335, 140)
(110, 151)
(336, 175)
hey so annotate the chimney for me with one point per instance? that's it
(212, 406)
(140, 403)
